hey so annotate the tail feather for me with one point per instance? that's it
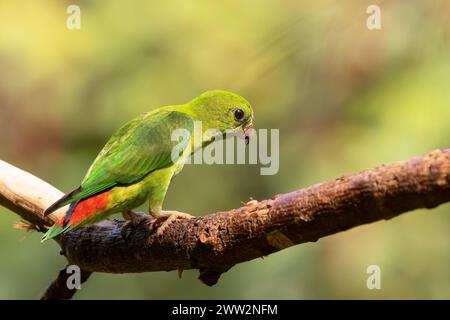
(53, 232)
(79, 213)
(66, 199)
(61, 225)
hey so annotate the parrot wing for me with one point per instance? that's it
(140, 147)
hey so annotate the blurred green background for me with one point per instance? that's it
(344, 98)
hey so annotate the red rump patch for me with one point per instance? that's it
(60, 221)
(89, 207)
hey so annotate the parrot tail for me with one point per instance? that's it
(80, 212)
(61, 225)
(66, 199)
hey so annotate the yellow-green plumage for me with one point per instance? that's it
(136, 164)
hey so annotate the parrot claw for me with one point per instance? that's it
(131, 215)
(133, 220)
(167, 218)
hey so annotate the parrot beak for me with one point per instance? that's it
(248, 129)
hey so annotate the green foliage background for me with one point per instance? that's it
(344, 98)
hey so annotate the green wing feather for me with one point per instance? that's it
(138, 148)
(134, 152)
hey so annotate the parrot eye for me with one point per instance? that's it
(239, 114)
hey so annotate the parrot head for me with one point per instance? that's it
(225, 111)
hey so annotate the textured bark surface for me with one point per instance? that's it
(217, 242)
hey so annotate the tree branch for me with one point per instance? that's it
(58, 289)
(27, 195)
(215, 243)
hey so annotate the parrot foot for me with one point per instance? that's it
(167, 218)
(133, 220)
(131, 215)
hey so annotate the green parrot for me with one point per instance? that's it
(137, 165)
